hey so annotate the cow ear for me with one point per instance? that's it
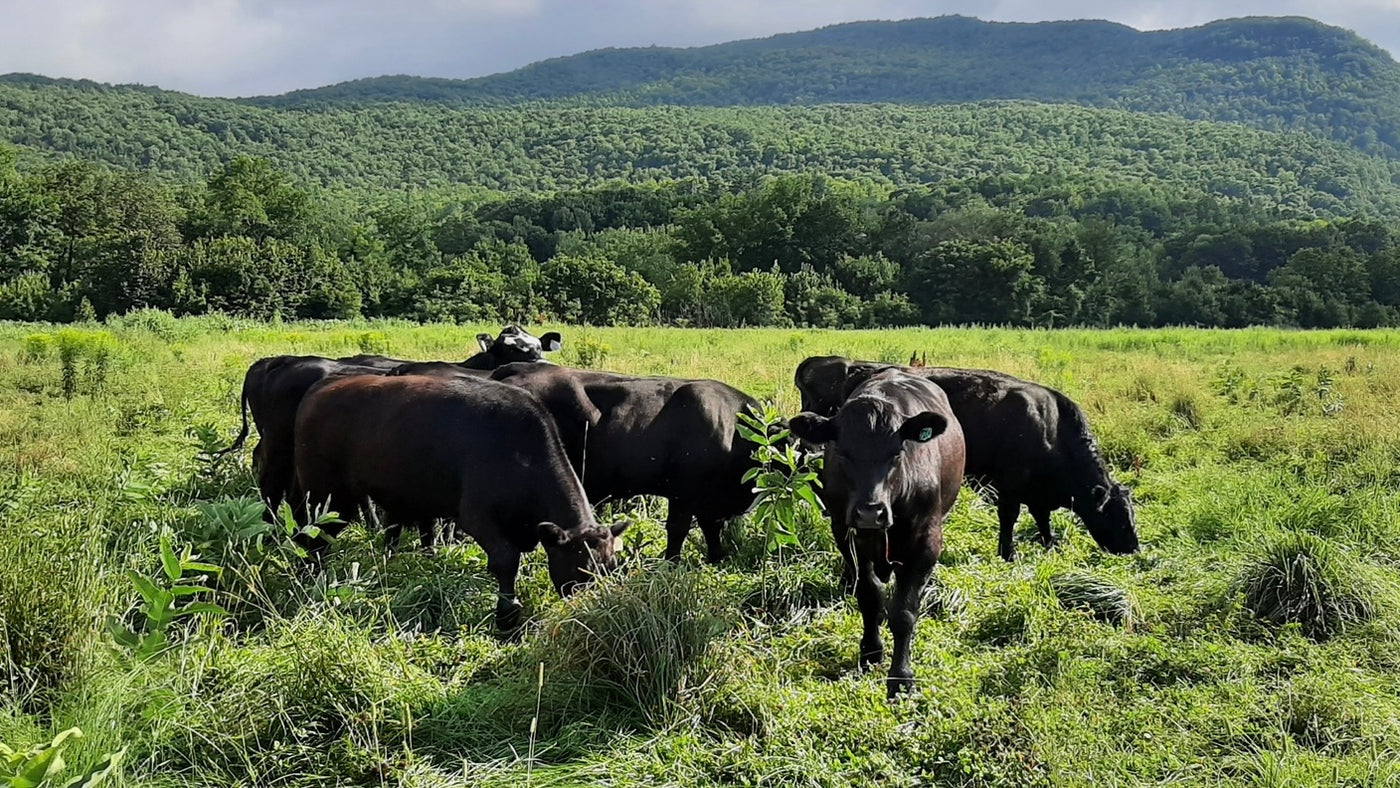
(924, 427)
(813, 428)
(552, 535)
(551, 342)
(484, 340)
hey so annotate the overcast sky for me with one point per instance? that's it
(248, 47)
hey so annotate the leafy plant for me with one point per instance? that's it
(589, 353)
(165, 602)
(39, 766)
(37, 348)
(782, 478)
(238, 523)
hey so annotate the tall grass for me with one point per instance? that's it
(1261, 647)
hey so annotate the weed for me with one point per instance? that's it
(39, 766)
(163, 603)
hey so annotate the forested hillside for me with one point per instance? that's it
(1016, 145)
(1273, 73)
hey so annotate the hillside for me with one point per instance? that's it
(1273, 73)
(544, 147)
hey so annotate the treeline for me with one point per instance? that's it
(81, 241)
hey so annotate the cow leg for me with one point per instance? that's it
(904, 616)
(427, 535)
(1008, 511)
(677, 528)
(713, 528)
(870, 595)
(275, 482)
(503, 562)
(1042, 523)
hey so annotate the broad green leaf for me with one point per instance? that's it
(107, 767)
(145, 587)
(204, 608)
(168, 560)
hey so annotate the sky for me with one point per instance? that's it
(258, 47)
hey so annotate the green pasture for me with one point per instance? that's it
(1254, 641)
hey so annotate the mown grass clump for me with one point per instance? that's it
(632, 643)
(1301, 578)
(1102, 598)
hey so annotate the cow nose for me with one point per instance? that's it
(872, 515)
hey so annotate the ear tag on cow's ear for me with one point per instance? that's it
(925, 435)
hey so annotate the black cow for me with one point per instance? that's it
(482, 452)
(273, 388)
(892, 473)
(651, 436)
(1029, 443)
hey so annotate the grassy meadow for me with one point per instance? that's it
(1254, 641)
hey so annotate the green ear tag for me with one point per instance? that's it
(925, 435)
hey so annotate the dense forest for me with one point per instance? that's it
(541, 148)
(82, 241)
(1273, 73)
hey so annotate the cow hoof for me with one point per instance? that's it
(896, 686)
(508, 618)
(871, 658)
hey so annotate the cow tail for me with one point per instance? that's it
(243, 411)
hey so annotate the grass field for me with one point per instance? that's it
(1252, 642)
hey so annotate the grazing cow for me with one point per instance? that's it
(273, 388)
(651, 436)
(892, 473)
(1029, 443)
(484, 453)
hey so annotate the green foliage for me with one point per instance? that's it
(1273, 73)
(1299, 578)
(38, 348)
(1105, 600)
(165, 602)
(592, 291)
(40, 766)
(588, 352)
(782, 479)
(632, 645)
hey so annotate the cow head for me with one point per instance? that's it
(821, 380)
(515, 344)
(577, 556)
(866, 442)
(1108, 514)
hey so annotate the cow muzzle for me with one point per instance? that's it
(871, 516)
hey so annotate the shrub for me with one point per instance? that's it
(37, 348)
(589, 353)
(1302, 579)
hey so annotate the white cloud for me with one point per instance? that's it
(241, 47)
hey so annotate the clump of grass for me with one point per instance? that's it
(1105, 600)
(1185, 409)
(632, 643)
(1301, 578)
